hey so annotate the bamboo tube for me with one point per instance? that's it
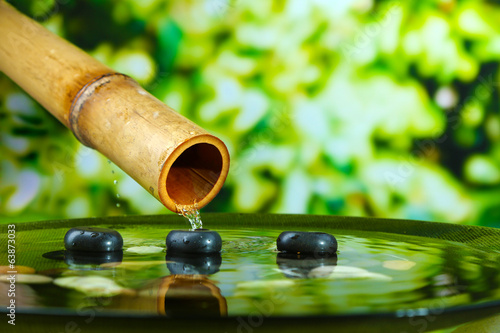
(174, 159)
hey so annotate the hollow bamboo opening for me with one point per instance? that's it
(194, 173)
(198, 168)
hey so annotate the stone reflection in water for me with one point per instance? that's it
(85, 260)
(187, 292)
(296, 266)
(190, 264)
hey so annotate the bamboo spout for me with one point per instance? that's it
(177, 161)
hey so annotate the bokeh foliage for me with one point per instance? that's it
(385, 108)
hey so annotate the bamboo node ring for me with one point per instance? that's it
(81, 97)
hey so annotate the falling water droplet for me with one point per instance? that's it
(117, 195)
(113, 171)
(117, 205)
(115, 182)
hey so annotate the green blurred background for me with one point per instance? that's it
(361, 107)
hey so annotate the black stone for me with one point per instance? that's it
(298, 266)
(193, 241)
(193, 264)
(90, 239)
(306, 242)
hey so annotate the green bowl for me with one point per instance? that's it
(388, 276)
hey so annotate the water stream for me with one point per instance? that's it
(192, 214)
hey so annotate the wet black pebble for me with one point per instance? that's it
(192, 264)
(306, 242)
(193, 241)
(91, 239)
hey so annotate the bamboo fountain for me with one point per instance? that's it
(177, 161)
